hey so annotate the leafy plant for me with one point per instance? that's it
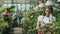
(3, 24)
(57, 22)
(29, 21)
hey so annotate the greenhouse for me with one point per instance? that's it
(22, 16)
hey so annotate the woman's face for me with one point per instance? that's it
(47, 11)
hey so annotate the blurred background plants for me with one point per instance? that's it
(29, 21)
(4, 24)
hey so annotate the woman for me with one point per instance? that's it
(46, 18)
(8, 18)
(7, 15)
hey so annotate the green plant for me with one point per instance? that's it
(3, 24)
(29, 21)
(57, 22)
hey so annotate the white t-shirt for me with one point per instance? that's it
(46, 19)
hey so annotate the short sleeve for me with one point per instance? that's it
(40, 18)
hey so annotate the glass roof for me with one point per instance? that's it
(17, 1)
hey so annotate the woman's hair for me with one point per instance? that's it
(50, 8)
(8, 10)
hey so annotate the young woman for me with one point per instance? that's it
(43, 20)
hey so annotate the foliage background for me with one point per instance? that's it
(29, 21)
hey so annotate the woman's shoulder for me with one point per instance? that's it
(40, 16)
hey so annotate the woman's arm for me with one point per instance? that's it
(37, 26)
(39, 22)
